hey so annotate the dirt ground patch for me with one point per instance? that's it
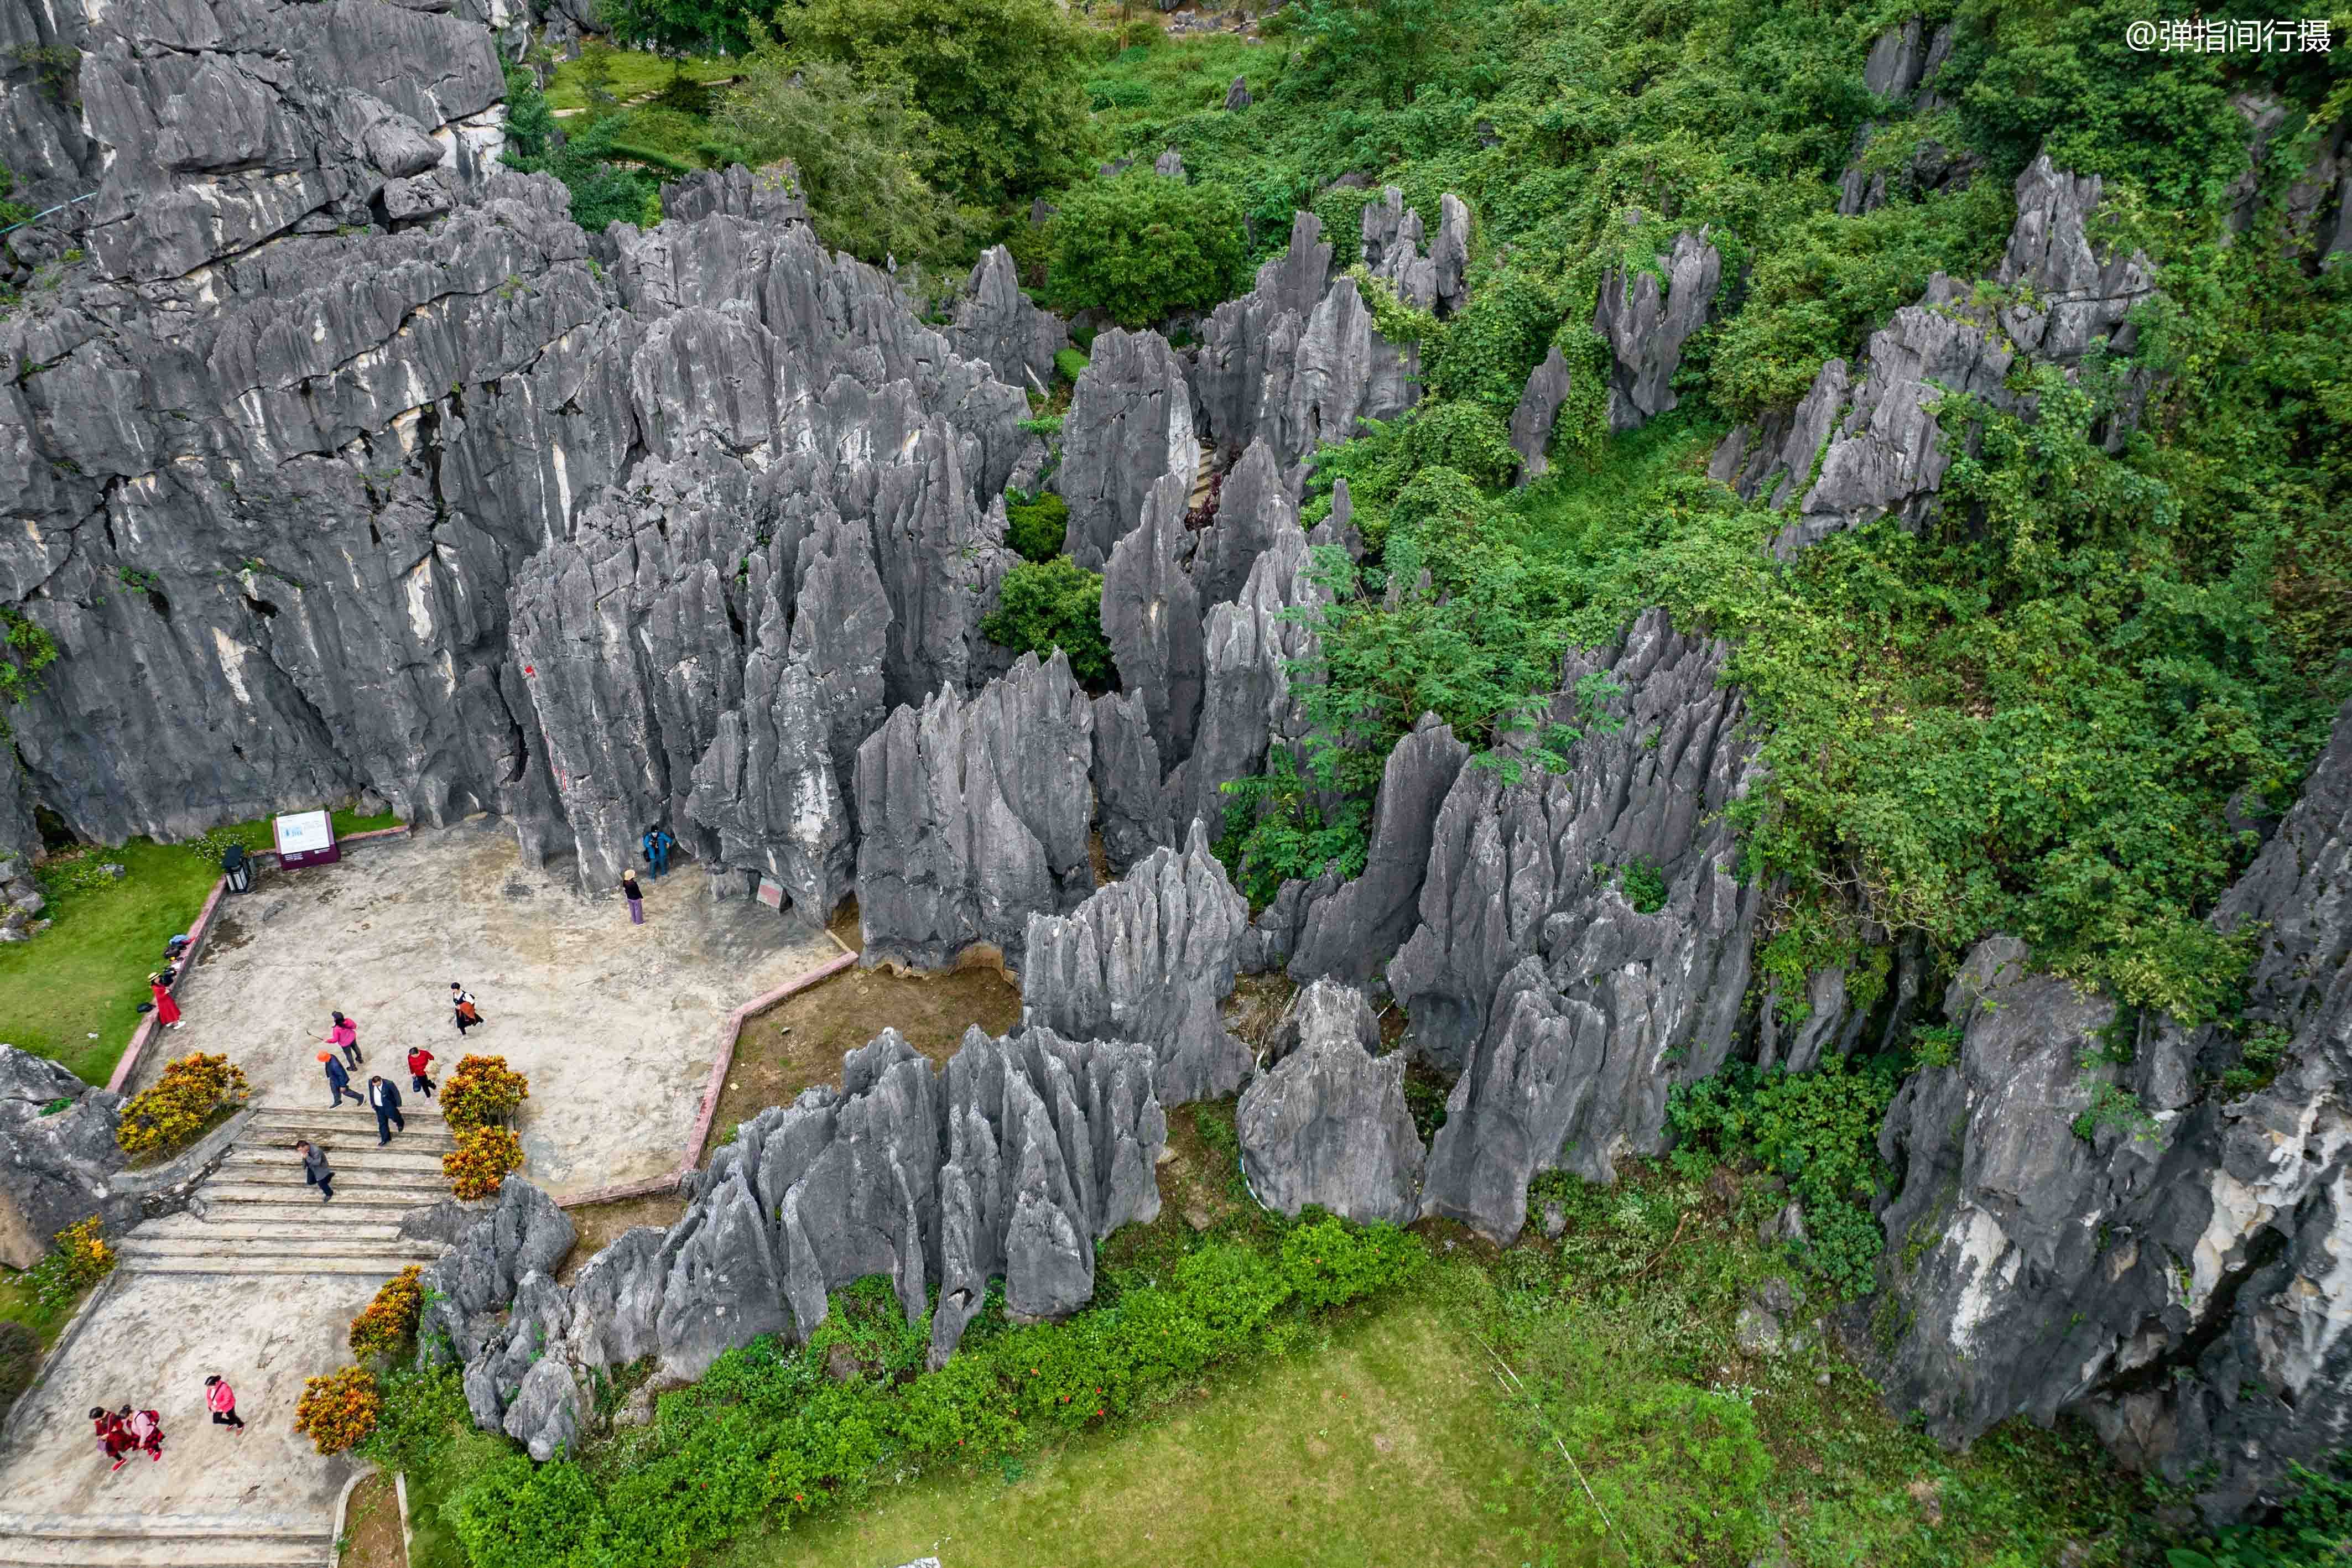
(600, 1224)
(372, 1526)
(801, 1040)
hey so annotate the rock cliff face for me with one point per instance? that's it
(1352, 933)
(1130, 421)
(1531, 420)
(1151, 618)
(1295, 360)
(1873, 432)
(1011, 1166)
(340, 439)
(2178, 1282)
(975, 816)
(1150, 958)
(1646, 321)
(997, 325)
(1569, 1009)
(1427, 273)
(1328, 1124)
(54, 1165)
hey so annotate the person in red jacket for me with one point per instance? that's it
(420, 1061)
(221, 1400)
(167, 1011)
(145, 1428)
(113, 1441)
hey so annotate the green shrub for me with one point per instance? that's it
(1048, 604)
(1069, 364)
(1142, 247)
(1035, 525)
(1328, 1263)
(1275, 832)
(1644, 885)
(2314, 1528)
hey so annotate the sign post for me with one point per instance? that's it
(307, 838)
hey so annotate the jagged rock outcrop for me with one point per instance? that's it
(1569, 1009)
(1352, 933)
(1237, 95)
(1867, 444)
(1246, 702)
(1295, 362)
(1150, 958)
(1531, 420)
(1253, 510)
(997, 325)
(54, 1163)
(1169, 164)
(454, 513)
(2176, 1278)
(1051, 1146)
(466, 1288)
(1427, 273)
(1151, 618)
(1327, 1124)
(1646, 319)
(974, 816)
(1903, 66)
(1130, 811)
(545, 1415)
(1130, 421)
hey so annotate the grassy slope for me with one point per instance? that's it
(71, 993)
(1381, 1446)
(636, 74)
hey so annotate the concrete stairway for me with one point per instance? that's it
(162, 1540)
(256, 1215)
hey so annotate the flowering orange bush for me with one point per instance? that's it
(167, 1116)
(482, 1090)
(385, 1325)
(339, 1409)
(481, 1160)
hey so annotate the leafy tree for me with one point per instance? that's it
(1045, 605)
(1036, 525)
(998, 82)
(857, 147)
(603, 192)
(1275, 832)
(683, 26)
(1142, 247)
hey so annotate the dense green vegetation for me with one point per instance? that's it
(1140, 249)
(1055, 603)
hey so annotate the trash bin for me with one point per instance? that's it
(238, 868)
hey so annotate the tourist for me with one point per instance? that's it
(113, 1439)
(384, 1099)
(221, 1400)
(657, 845)
(635, 895)
(420, 1061)
(345, 1034)
(167, 1011)
(146, 1429)
(315, 1172)
(461, 1002)
(338, 1079)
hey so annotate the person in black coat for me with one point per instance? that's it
(383, 1098)
(338, 1079)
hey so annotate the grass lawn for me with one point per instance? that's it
(1382, 1445)
(20, 1302)
(72, 993)
(635, 75)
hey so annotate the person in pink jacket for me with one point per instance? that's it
(221, 1400)
(344, 1036)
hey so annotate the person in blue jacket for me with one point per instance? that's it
(657, 845)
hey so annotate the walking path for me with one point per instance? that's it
(258, 1282)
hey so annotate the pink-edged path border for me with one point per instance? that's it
(727, 1034)
(147, 1025)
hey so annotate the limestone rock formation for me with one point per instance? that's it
(1531, 421)
(1130, 421)
(1246, 702)
(1150, 958)
(1865, 444)
(1130, 812)
(1295, 362)
(1237, 95)
(464, 1290)
(997, 325)
(1327, 1124)
(2175, 1278)
(1647, 324)
(1352, 934)
(1050, 1146)
(1253, 510)
(1569, 1009)
(451, 511)
(1902, 69)
(975, 815)
(54, 1163)
(1427, 273)
(1151, 618)
(545, 1415)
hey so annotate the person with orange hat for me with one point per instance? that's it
(338, 1079)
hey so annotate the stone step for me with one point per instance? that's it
(162, 1541)
(426, 1179)
(400, 1154)
(399, 1195)
(229, 1232)
(373, 1266)
(154, 1254)
(299, 1208)
(345, 1114)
